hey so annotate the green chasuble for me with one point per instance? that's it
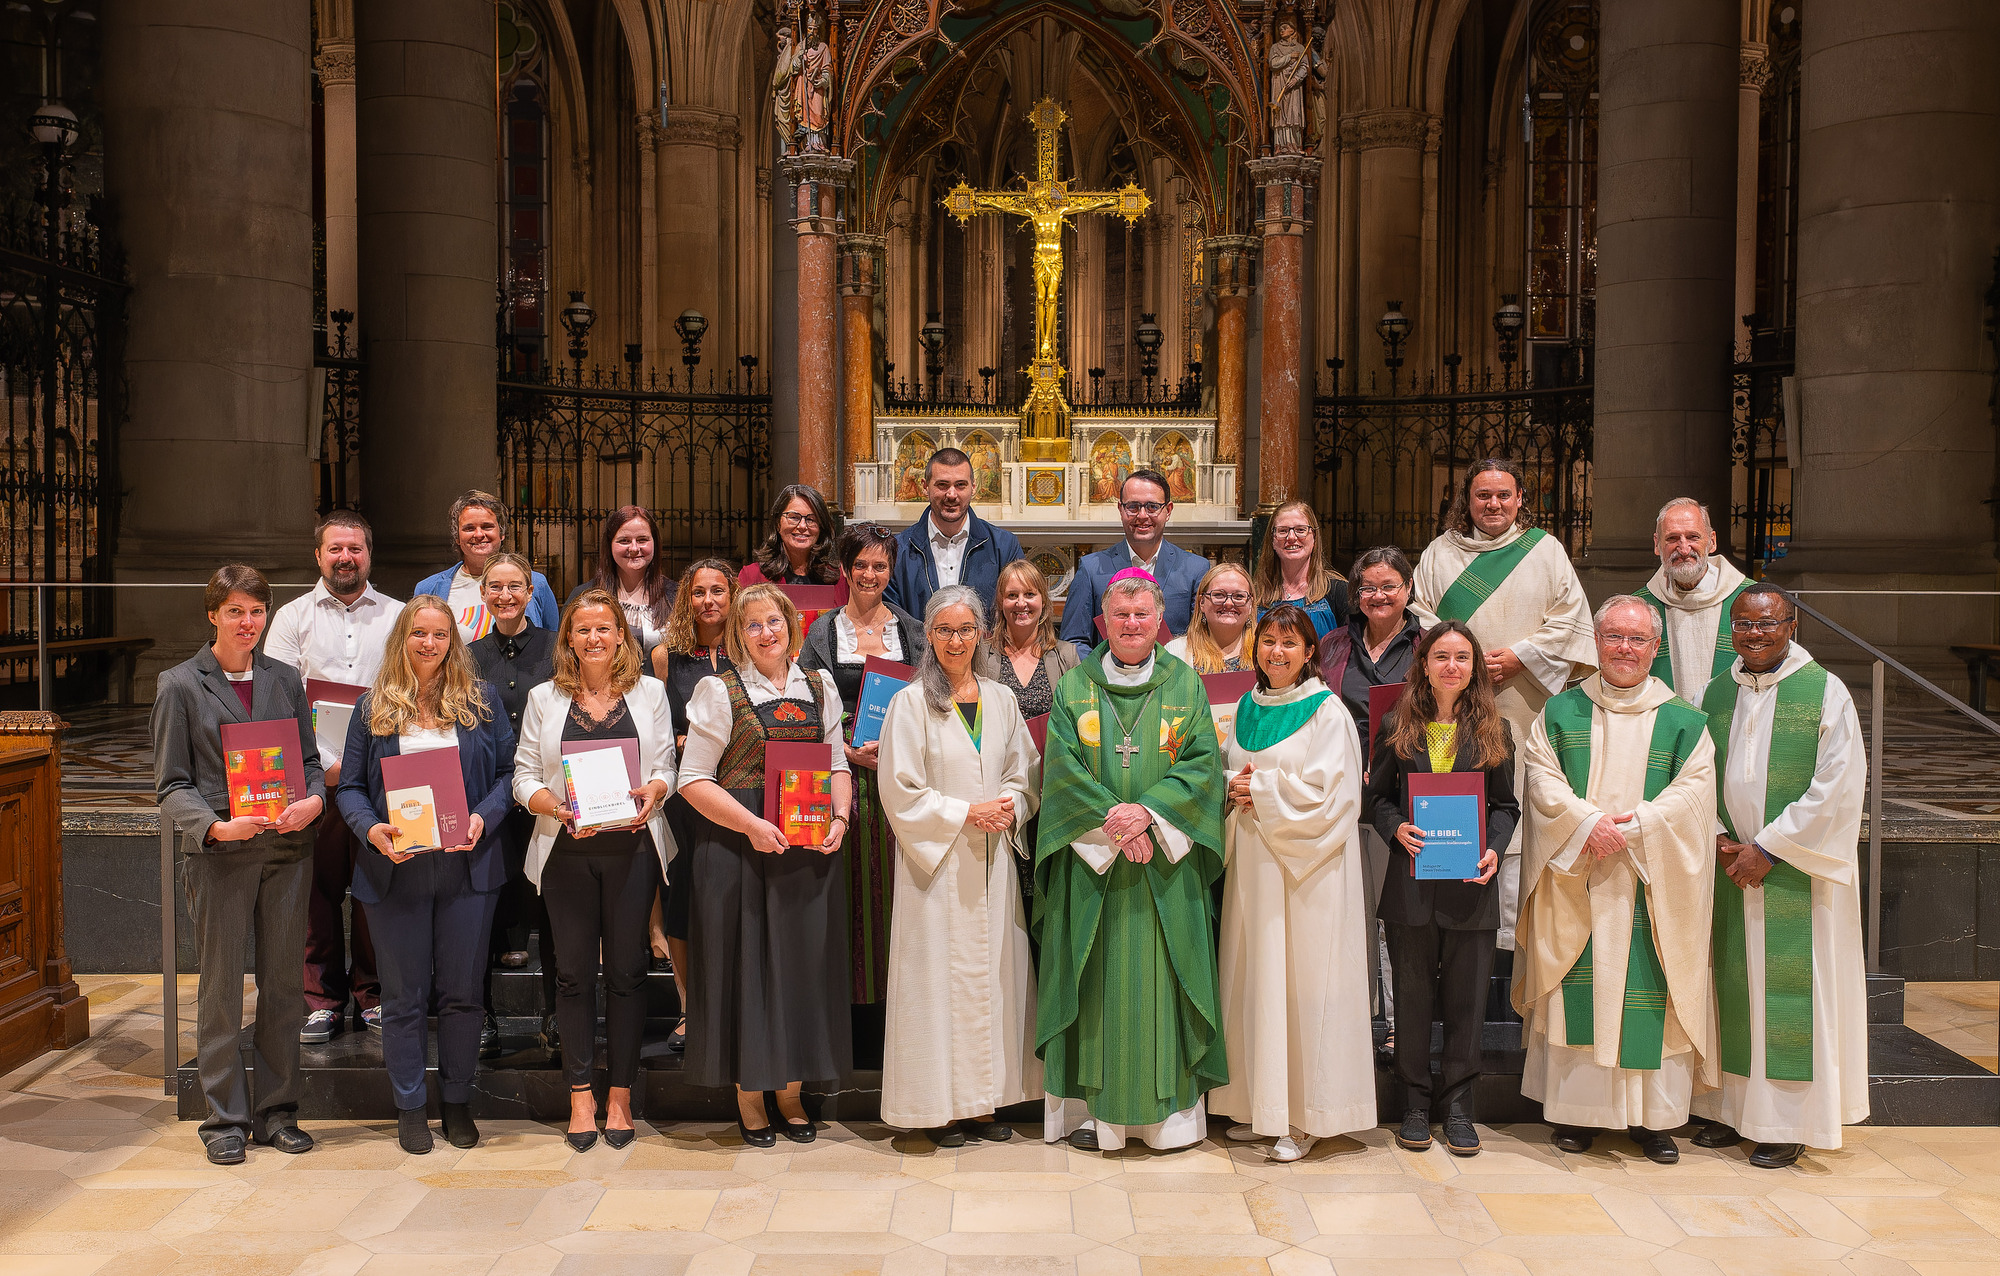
(1787, 890)
(1485, 574)
(1129, 1016)
(1725, 644)
(1677, 729)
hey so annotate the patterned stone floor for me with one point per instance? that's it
(96, 1176)
(1964, 1017)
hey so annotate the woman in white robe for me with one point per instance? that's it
(959, 776)
(1295, 926)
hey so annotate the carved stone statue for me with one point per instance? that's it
(812, 84)
(1293, 68)
(781, 92)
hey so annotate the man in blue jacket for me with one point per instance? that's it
(949, 545)
(1144, 507)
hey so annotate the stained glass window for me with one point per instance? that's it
(1561, 128)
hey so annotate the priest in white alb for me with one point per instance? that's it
(1791, 997)
(960, 776)
(1617, 886)
(1692, 592)
(1513, 586)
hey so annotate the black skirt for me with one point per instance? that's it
(768, 992)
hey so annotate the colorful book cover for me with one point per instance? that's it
(880, 681)
(812, 601)
(264, 765)
(1450, 808)
(413, 813)
(798, 790)
(1225, 691)
(443, 774)
(1381, 701)
(597, 779)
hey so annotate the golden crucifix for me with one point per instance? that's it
(1047, 202)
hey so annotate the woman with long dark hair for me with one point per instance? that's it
(1441, 933)
(800, 549)
(630, 569)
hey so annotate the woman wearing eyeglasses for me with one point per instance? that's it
(1292, 569)
(1221, 637)
(799, 550)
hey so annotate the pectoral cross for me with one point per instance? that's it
(1047, 202)
(1125, 752)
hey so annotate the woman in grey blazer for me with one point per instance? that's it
(237, 870)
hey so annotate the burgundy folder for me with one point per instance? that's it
(1470, 784)
(323, 691)
(443, 772)
(1228, 688)
(798, 790)
(812, 601)
(265, 766)
(1039, 729)
(1380, 701)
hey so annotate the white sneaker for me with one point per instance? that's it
(1292, 1147)
(1243, 1133)
(320, 1026)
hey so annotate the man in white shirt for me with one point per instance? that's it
(336, 633)
(949, 545)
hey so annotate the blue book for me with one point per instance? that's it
(1451, 836)
(880, 681)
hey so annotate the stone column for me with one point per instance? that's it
(1899, 213)
(1753, 73)
(818, 183)
(1283, 200)
(335, 63)
(688, 168)
(1391, 218)
(861, 258)
(425, 137)
(1666, 226)
(1232, 269)
(208, 165)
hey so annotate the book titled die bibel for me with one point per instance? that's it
(798, 790)
(264, 766)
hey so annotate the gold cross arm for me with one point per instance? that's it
(1047, 199)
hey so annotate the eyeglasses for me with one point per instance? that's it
(1227, 600)
(1293, 533)
(1379, 591)
(1758, 626)
(1137, 508)
(1633, 641)
(759, 627)
(798, 520)
(964, 633)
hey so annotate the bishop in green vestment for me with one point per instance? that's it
(1129, 1023)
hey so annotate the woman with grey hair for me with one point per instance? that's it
(959, 775)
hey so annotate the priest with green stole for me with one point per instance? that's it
(1512, 584)
(1692, 592)
(1617, 886)
(1129, 1024)
(1791, 997)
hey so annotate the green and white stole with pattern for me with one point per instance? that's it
(1788, 947)
(1484, 575)
(1677, 728)
(1725, 645)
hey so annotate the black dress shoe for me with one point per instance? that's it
(226, 1149)
(764, 1138)
(1776, 1156)
(288, 1138)
(1084, 1139)
(799, 1131)
(1716, 1135)
(677, 1040)
(459, 1130)
(489, 1039)
(413, 1131)
(1461, 1137)
(551, 1040)
(946, 1136)
(1656, 1145)
(581, 1140)
(619, 1139)
(1415, 1132)
(986, 1131)
(1573, 1138)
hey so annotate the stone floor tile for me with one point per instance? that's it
(1011, 1211)
(723, 1260)
(112, 1210)
(742, 1211)
(616, 1264)
(340, 1260)
(1107, 1261)
(808, 1210)
(1725, 1216)
(1013, 1244)
(1553, 1214)
(1817, 1216)
(54, 1264)
(1139, 1159)
(652, 1210)
(1370, 1214)
(1300, 1262)
(1187, 1212)
(922, 1211)
(436, 1265)
(1640, 1215)
(1909, 1220)
(816, 1265)
(307, 1209)
(1199, 1265)
(1281, 1214)
(990, 1265)
(1101, 1213)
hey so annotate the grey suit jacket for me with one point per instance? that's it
(193, 701)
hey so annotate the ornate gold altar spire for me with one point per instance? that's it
(1047, 203)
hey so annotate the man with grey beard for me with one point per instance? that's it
(1692, 593)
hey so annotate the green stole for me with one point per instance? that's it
(1259, 726)
(1483, 575)
(1788, 982)
(1677, 728)
(1725, 645)
(1129, 1014)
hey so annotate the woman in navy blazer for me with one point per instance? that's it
(431, 909)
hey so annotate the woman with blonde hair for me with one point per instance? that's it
(1292, 568)
(1021, 652)
(598, 883)
(1221, 638)
(430, 908)
(768, 1001)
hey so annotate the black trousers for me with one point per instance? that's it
(1439, 975)
(520, 910)
(601, 901)
(431, 932)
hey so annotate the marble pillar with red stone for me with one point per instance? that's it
(818, 184)
(861, 266)
(1283, 201)
(1232, 268)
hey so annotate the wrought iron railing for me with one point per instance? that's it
(576, 444)
(1387, 465)
(1760, 489)
(336, 453)
(61, 398)
(997, 393)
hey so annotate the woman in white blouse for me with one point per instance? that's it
(767, 1002)
(598, 883)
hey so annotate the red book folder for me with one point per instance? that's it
(441, 771)
(1380, 701)
(1039, 729)
(798, 790)
(813, 601)
(324, 691)
(1166, 635)
(266, 766)
(1228, 688)
(1470, 784)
